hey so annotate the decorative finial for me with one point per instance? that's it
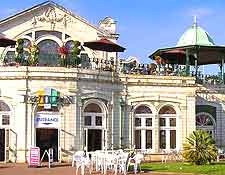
(195, 20)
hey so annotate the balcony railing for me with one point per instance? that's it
(85, 62)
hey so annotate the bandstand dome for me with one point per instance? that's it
(195, 35)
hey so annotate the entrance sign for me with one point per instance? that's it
(34, 157)
(47, 120)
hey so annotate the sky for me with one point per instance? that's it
(144, 25)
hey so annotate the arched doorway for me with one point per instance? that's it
(143, 127)
(168, 129)
(206, 122)
(5, 115)
(94, 124)
(47, 122)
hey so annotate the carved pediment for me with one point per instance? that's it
(52, 16)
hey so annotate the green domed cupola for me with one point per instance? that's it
(195, 35)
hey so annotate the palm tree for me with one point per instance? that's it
(200, 148)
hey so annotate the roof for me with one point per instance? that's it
(195, 35)
(51, 3)
(206, 54)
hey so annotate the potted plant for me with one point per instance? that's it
(75, 53)
(19, 51)
(34, 51)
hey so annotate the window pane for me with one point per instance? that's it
(148, 121)
(137, 122)
(93, 108)
(5, 119)
(173, 139)
(138, 139)
(162, 121)
(98, 121)
(162, 139)
(172, 122)
(87, 120)
(148, 139)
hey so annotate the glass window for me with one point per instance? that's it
(137, 121)
(69, 45)
(148, 121)
(4, 106)
(172, 121)
(5, 119)
(143, 110)
(138, 139)
(162, 139)
(98, 121)
(87, 120)
(48, 53)
(167, 110)
(148, 139)
(10, 57)
(172, 139)
(27, 43)
(204, 120)
(162, 121)
(93, 108)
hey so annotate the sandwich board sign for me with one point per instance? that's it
(34, 157)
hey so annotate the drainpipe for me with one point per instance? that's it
(26, 109)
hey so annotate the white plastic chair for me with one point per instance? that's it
(121, 163)
(135, 162)
(81, 161)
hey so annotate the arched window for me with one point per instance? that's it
(93, 115)
(4, 114)
(94, 127)
(143, 127)
(26, 45)
(205, 121)
(48, 53)
(69, 45)
(167, 122)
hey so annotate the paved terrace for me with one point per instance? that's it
(62, 169)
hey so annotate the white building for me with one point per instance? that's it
(88, 106)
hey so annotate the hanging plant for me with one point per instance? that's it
(19, 51)
(63, 51)
(34, 52)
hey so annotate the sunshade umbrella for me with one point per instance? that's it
(104, 45)
(4, 42)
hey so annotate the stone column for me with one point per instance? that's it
(155, 134)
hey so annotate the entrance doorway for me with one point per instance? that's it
(2, 144)
(45, 139)
(94, 139)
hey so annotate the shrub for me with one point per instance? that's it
(200, 148)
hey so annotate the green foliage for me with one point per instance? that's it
(19, 51)
(200, 148)
(75, 53)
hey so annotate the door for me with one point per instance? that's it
(94, 139)
(2, 144)
(45, 139)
